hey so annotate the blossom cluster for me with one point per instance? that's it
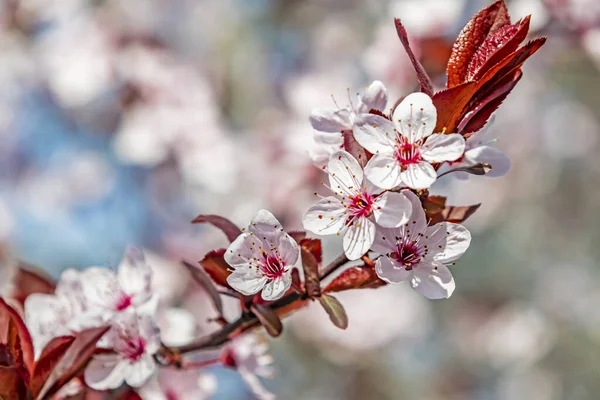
(379, 165)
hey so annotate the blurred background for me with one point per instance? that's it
(121, 120)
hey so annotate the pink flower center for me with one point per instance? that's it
(134, 348)
(407, 153)
(272, 267)
(408, 255)
(360, 205)
(124, 302)
(171, 395)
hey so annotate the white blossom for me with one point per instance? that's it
(355, 207)
(418, 253)
(405, 147)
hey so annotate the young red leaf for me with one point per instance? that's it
(502, 18)
(456, 214)
(14, 333)
(297, 235)
(433, 203)
(352, 147)
(314, 247)
(73, 362)
(202, 278)
(48, 360)
(12, 387)
(268, 318)
(29, 279)
(229, 228)
(422, 76)
(451, 103)
(497, 47)
(469, 40)
(312, 283)
(335, 310)
(355, 278)
(216, 267)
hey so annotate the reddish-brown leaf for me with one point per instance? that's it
(312, 283)
(216, 267)
(29, 279)
(456, 214)
(12, 386)
(202, 278)
(14, 333)
(469, 40)
(229, 228)
(73, 362)
(502, 18)
(355, 278)
(297, 235)
(422, 76)
(451, 103)
(48, 360)
(314, 247)
(433, 203)
(268, 318)
(497, 47)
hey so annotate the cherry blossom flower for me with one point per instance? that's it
(419, 253)
(172, 384)
(249, 355)
(130, 287)
(405, 147)
(331, 123)
(262, 258)
(355, 207)
(134, 340)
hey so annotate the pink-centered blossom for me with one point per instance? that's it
(405, 147)
(263, 258)
(419, 253)
(173, 384)
(355, 207)
(134, 340)
(331, 123)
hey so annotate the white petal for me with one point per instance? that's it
(390, 270)
(433, 283)
(149, 330)
(456, 242)
(288, 249)
(375, 97)
(243, 248)
(276, 288)
(383, 171)
(105, 372)
(418, 220)
(345, 173)
(264, 224)
(135, 275)
(440, 148)
(246, 281)
(415, 117)
(385, 239)
(330, 120)
(101, 287)
(141, 371)
(359, 238)
(392, 209)
(326, 217)
(419, 176)
(45, 316)
(374, 133)
(498, 160)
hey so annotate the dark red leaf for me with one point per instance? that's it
(433, 203)
(48, 360)
(422, 76)
(469, 40)
(456, 214)
(377, 112)
(12, 386)
(497, 47)
(352, 147)
(314, 247)
(297, 235)
(229, 228)
(335, 310)
(73, 362)
(268, 318)
(14, 333)
(202, 278)
(450, 104)
(312, 283)
(502, 18)
(29, 279)
(355, 278)
(216, 267)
